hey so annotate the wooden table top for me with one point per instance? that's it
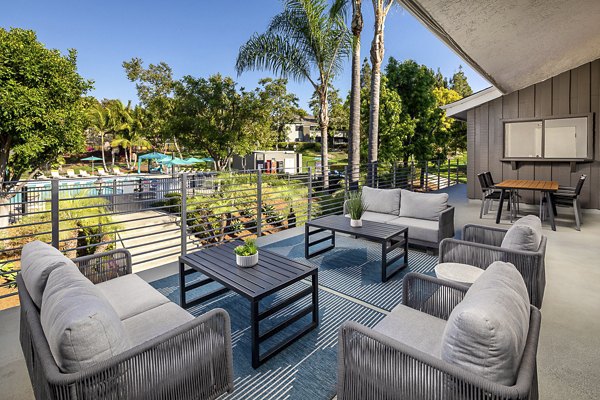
(528, 184)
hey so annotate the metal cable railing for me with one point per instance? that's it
(157, 218)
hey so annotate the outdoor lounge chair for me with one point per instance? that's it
(54, 174)
(117, 171)
(446, 341)
(83, 173)
(524, 247)
(71, 174)
(115, 337)
(102, 172)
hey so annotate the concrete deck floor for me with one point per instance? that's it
(569, 349)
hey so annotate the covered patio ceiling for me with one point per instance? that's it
(515, 43)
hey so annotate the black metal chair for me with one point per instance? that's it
(567, 196)
(489, 193)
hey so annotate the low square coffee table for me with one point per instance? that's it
(272, 273)
(390, 237)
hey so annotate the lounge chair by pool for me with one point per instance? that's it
(117, 171)
(54, 174)
(71, 173)
(102, 172)
(83, 173)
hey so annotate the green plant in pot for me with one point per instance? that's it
(246, 255)
(355, 206)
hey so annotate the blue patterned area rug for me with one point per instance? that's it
(305, 370)
(353, 268)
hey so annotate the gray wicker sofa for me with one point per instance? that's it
(90, 329)
(446, 341)
(428, 216)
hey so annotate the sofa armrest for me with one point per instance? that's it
(431, 295)
(105, 266)
(483, 234)
(192, 361)
(446, 224)
(529, 264)
(374, 366)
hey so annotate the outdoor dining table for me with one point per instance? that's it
(545, 187)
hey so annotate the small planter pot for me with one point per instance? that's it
(356, 223)
(246, 261)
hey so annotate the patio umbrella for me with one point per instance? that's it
(92, 159)
(150, 156)
(194, 160)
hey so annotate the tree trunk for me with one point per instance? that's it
(377, 50)
(127, 159)
(103, 156)
(177, 147)
(354, 142)
(324, 125)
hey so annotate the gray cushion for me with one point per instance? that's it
(385, 201)
(423, 205)
(152, 323)
(38, 259)
(130, 295)
(408, 326)
(419, 229)
(80, 326)
(525, 234)
(457, 272)
(377, 217)
(487, 331)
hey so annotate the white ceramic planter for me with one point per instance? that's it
(246, 261)
(356, 223)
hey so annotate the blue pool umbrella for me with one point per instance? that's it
(150, 156)
(194, 160)
(92, 159)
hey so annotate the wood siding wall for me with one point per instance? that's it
(572, 92)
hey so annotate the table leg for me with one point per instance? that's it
(306, 239)
(254, 321)
(182, 290)
(384, 261)
(551, 210)
(315, 298)
(501, 203)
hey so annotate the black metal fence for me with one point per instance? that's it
(157, 218)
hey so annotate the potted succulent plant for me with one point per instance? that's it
(246, 255)
(355, 207)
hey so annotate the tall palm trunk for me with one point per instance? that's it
(324, 125)
(354, 142)
(380, 8)
(103, 156)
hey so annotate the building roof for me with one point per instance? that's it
(459, 108)
(515, 43)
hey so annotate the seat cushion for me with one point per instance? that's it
(419, 229)
(525, 234)
(130, 295)
(152, 323)
(385, 201)
(80, 326)
(423, 205)
(457, 272)
(376, 217)
(407, 326)
(487, 331)
(38, 260)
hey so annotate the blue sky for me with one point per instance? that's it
(196, 38)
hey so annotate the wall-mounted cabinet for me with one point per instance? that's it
(558, 139)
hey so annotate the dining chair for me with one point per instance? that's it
(567, 196)
(489, 193)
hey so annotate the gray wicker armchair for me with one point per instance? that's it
(192, 361)
(480, 247)
(374, 366)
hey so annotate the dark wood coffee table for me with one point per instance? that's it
(389, 236)
(272, 273)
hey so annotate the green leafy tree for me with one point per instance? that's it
(130, 134)
(213, 116)
(302, 40)
(459, 83)
(282, 105)
(42, 105)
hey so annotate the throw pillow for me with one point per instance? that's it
(525, 234)
(386, 201)
(423, 205)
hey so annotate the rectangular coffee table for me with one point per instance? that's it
(389, 236)
(272, 273)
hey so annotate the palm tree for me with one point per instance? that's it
(356, 26)
(100, 120)
(130, 135)
(303, 38)
(381, 9)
